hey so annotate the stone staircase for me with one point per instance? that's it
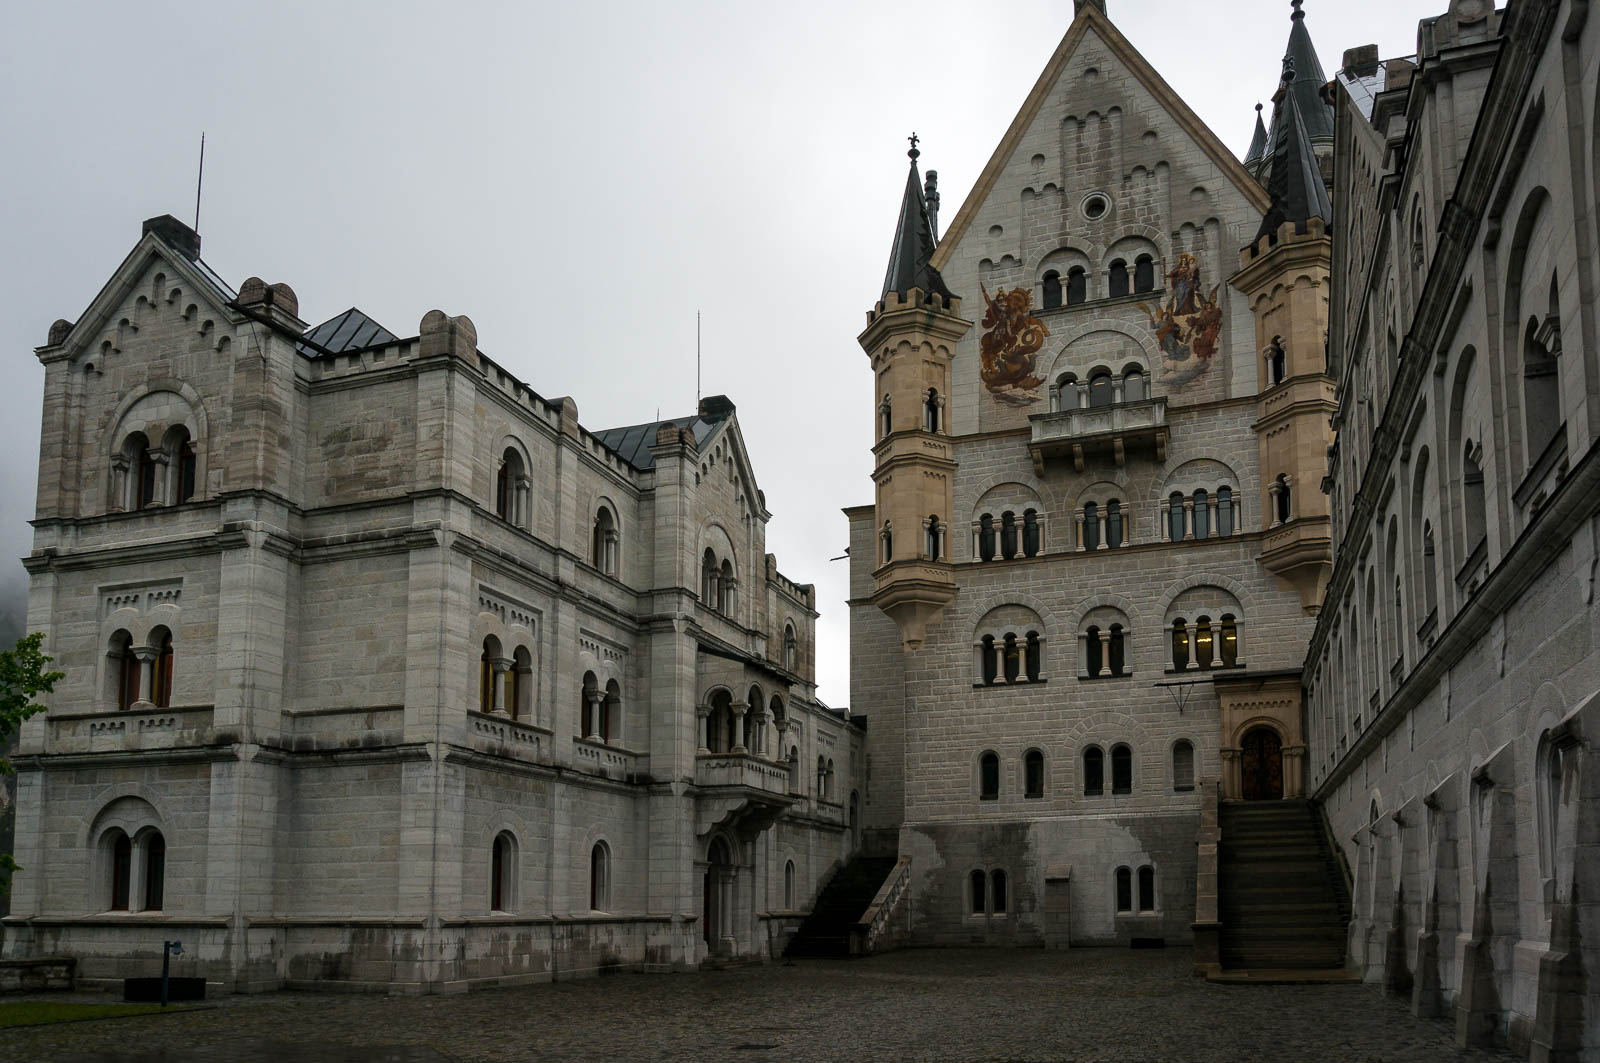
(1283, 899)
(826, 931)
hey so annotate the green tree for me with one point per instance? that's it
(22, 679)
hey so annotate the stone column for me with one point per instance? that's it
(119, 484)
(1116, 390)
(524, 494)
(1080, 529)
(596, 701)
(158, 458)
(1105, 652)
(1083, 395)
(498, 667)
(1190, 634)
(1188, 519)
(1232, 781)
(1294, 771)
(736, 740)
(702, 716)
(1272, 492)
(1105, 531)
(146, 656)
(1165, 512)
(1212, 526)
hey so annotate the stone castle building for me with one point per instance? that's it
(381, 669)
(1097, 544)
(1450, 680)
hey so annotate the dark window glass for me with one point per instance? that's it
(1030, 533)
(989, 776)
(1008, 535)
(155, 872)
(1229, 637)
(186, 471)
(121, 870)
(1034, 774)
(1124, 890)
(1115, 650)
(1091, 526)
(1180, 645)
(1204, 651)
(1077, 286)
(1144, 274)
(1101, 390)
(1147, 889)
(1119, 278)
(978, 880)
(147, 480)
(1013, 661)
(986, 537)
(989, 666)
(1202, 514)
(1094, 652)
(1094, 763)
(1121, 770)
(997, 891)
(1224, 511)
(1113, 524)
(1052, 290)
(1175, 517)
(1034, 655)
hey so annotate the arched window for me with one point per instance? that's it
(1144, 274)
(1115, 650)
(120, 849)
(1094, 772)
(1228, 641)
(600, 877)
(508, 486)
(989, 777)
(1541, 391)
(1114, 536)
(1077, 286)
(1175, 516)
(140, 483)
(1472, 498)
(822, 777)
(1013, 658)
(126, 671)
(1133, 389)
(1091, 526)
(1276, 363)
(997, 892)
(885, 421)
(1204, 651)
(788, 886)
(1121, 769)
(1183, 766)
(1033, 774)
(1065, 393)
(977, 884)
(611, 714)
(708, 579)
(1147, 889)
(986, 537)
(182, 461)
(1033, 656)
(519, 685)
(486, 677)
(1094, 652)
(1225, 511)
(161, 682)
(791, 649)
(1030, 533)
(990, 664)
(1202, 514)
(1124, 890)
(1052, 290)
(1119, 278)
(1180, 644)
(502, 862)
(931, 404)
(603, 549)
(1102, 392)
(591, 707)
(726, 586)
(886, 537)
(155, 870)
(1284, 508)
(1430, 575)
(934, 546)
(1008, 535)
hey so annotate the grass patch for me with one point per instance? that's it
(40, 1012)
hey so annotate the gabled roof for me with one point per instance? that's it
(913, 246)
(1308, 77)
(349, 331)
(1091, 17)
(632, 444)
(1258, 143)
(1294, 177)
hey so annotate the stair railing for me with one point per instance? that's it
(874, 931)
(1207, 926)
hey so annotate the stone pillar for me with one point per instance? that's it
(119, 484)
(1116, 390)
(1212, 525)
(1190, 635)
(1165, 512)
(1272, 492)
(1082, 395)
(1079, 516)
(702, 717)
(1294, 771)
(1105, 531)
(498, 667)
(146, 656)
(595, 699)
(1232, 773)
(736, 740)
(159, 458)
(1105, 652)
(1188, 519)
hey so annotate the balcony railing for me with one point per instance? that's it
(741, 770)
(1100, 430)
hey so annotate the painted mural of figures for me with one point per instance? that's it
(1187, 326)
(1012, 337)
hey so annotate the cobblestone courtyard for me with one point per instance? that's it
(1099, 1004)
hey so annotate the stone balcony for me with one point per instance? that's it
(142, 727)
(1112, 431)
(739, 790)
(741, 769)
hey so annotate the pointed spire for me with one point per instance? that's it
(1258, 143)
(1294, 177)
(913, 240)
(1301, 57)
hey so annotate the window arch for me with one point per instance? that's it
(1202, 514)
(1204, 649)
(182, 463)
(519, 685)
(511, 487)
(977, 891)
(1118, 278)
(1147, 888)
(1225, 521)
(1094, 771)
(1133, 385)
(1114, 531)
(788, 886)
(590, 707)
(604, 549)
(932, 410)
(1124, 890)
(502, 873)
(1228, 641)
(124, 671)
(791, 649)
(1102, 390)
(727, 584)
(1121, 769)
(119, 848)
(600, 877)
(1077, 286)
(1033, 774)
(822, 777)
(989, 776)
(488, 679)
(1144, 274)
(1430, 574)
(140, 474)
(161, 680)
(1277, 363)
(611, 714)
(933, 538)
(1183, 765)
(1473, 498)
(1090, 535)
(1282, 508)
(153, 850)
(1180, 644)
(1541, 385)
(1175, 521)
(710, 576)
(1033, 656)
(1032, 534)
(1052, 290)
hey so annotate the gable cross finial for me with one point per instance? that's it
(914, 153)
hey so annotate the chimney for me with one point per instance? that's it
(930, 196)
(716, 407)
(1361, 62)
(1079, 5)
(174, 234)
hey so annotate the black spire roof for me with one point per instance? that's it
(913, 241)
(1294, 177)
(1301, 57)
(1258, 143)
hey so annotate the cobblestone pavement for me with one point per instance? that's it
(1081, 1005)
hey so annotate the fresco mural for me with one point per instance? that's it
(1187, 325)
(1012, 338)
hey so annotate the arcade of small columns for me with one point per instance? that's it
(1189, 636)
(1164, 510)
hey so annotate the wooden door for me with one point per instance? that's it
(1262, 765)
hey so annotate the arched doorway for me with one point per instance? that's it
(1261, 756)
(716, 895)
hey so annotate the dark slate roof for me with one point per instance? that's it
(1308, 77)
(909, 258)
(1364, 88)
(632, 444)
(1294, 178)
(1258, 143)
(349, 331)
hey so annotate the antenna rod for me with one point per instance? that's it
(198, 181)
(697, 361)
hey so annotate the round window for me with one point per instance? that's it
(1095, 205)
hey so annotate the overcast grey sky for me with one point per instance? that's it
(578, 178)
